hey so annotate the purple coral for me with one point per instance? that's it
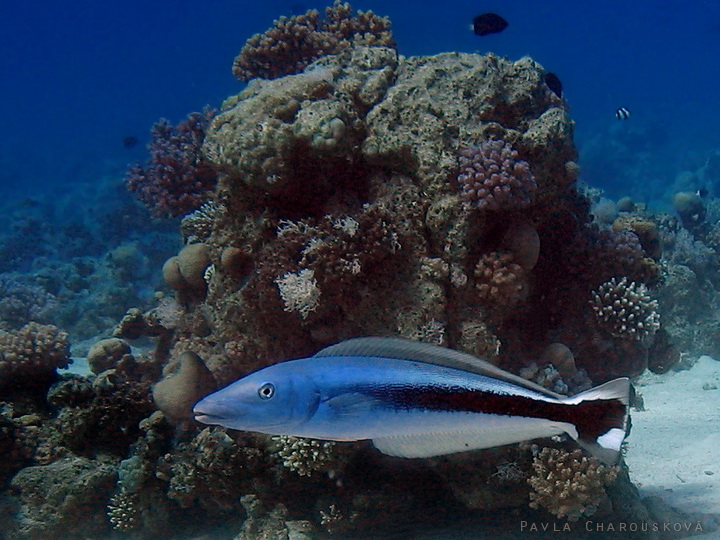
(177, 179)
(492, 177)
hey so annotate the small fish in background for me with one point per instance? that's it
(702, 192)
(553, 82)
(29, 203)
(414, 400)
(297, 8)
(622, 113)
(488, 23)
(130, 141)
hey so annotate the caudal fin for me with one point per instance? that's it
(600, 417)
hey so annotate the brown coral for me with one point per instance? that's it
(185, 381)
(35, 349)
(646, 231)
(293, 43)
(106, 353)
(625, 309)
(569, 485)
(501, 283)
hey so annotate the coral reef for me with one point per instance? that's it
(625, 309)
(32, 353)
(177, 179)
(211, 471)
(308, 456)
(123, 511)
(197, 226)
(569, 485)
(499, 278)
(293, 43)
(21, 303)
(691, 209)
(354, 192)
(185, 272)
(275, 523)
(492, 177)
(60, 497)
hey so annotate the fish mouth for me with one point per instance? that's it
(208, 418)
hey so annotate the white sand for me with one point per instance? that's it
(674, 446)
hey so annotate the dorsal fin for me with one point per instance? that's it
(405, 349)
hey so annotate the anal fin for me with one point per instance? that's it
(423, 445)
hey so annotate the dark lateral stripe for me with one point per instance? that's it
(591, 418)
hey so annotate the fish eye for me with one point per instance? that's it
(266, 391)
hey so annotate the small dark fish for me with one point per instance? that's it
(130, 141)
(622, 113)
(29, 203)
(297, 8)
(488, 23)
(702, 192)
(553, 83)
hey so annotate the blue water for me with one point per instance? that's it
(79, 77)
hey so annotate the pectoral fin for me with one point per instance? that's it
(349, 406)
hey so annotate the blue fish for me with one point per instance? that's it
(414, 400)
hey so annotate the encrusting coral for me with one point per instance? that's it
(568, 484)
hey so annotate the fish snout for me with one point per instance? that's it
(213, 411)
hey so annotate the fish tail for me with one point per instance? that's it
(600, 418)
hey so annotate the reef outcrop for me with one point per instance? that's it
(356, 193)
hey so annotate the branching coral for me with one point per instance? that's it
(293, 43)
(197, 226)
(123, 511)
(594, 255)
(625, 309)
(35, 349)
(569, 485)
(492, 177)
(501, 283)
(177, 179)
(299, 291)
(307, 456)
(212, 470)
